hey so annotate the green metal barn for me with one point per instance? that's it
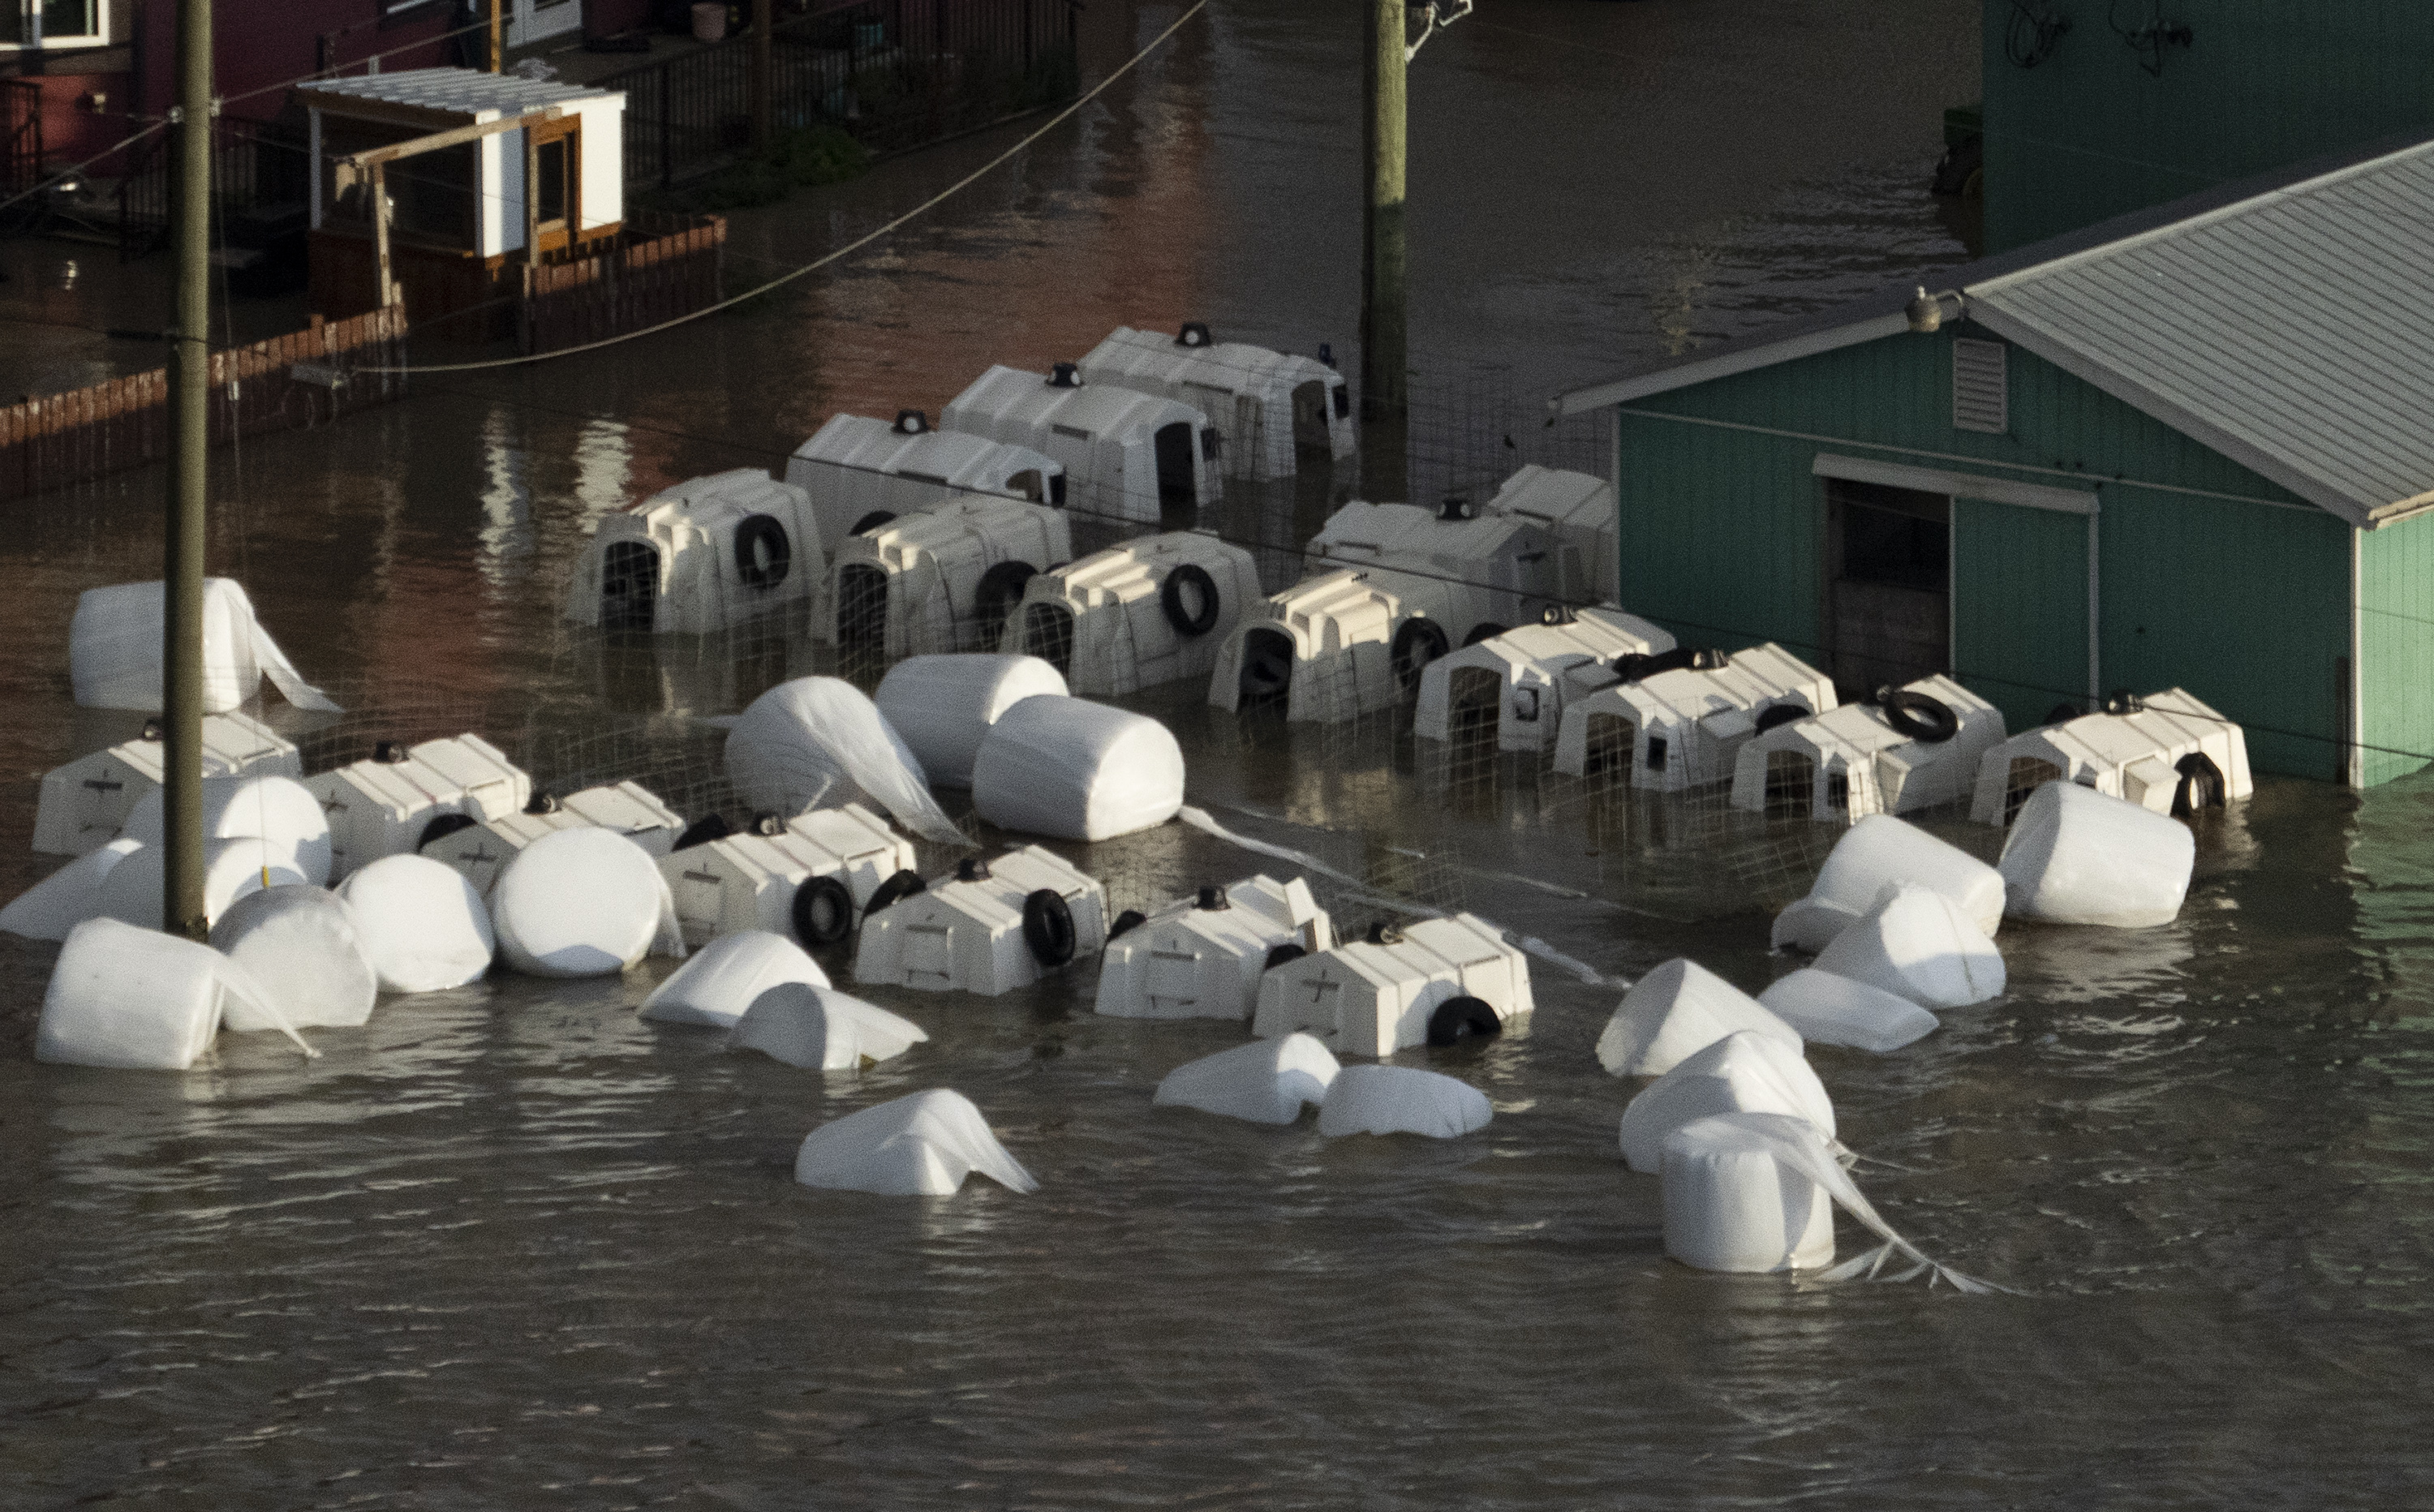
(2189, 446)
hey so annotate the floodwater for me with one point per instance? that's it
(508, 1245)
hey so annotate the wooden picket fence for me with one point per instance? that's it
(669, 267)
(289, 383)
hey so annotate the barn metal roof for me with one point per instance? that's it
(2287, 326)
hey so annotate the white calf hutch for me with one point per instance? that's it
(84, 803)
(480, 851)
(401, 797)
(1127, 455)
(1267, 406)
(1325, 647)
(943, 580)
(805, 879)
(2167, 753)
(1473, 573)
(861, 472)
(1867, 758)
(993, 927)
(1427, 983)
(1518, 685)
(701, 556)
(1153, 610)
(1576, 509)
(1203, 956)
(1683, 726)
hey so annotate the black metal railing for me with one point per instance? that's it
(895, 73)
(254, 164)
(21, 136)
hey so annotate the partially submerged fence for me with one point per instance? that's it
(289, 383)
(253, 163)
(668, 266)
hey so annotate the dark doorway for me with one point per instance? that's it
(1310, 416)
(629, 585)
(1176, 486)
(1889, 570)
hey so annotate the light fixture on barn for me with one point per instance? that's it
(1929, 312)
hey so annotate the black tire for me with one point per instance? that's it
(443, 826)
(763, 554)
(1418, 643)
(1129, 920)
(702, 831)
(2200, 785)
(1637, 666)
(1918, 716)
(1457, 1019)
(872, 522)
(1774, 714)
(1048, 926)
(2061, 713)
(541, 802)
(1484, 630)
(1190, 576)
(903, 885)
(1282, 954)
(823, 912)
(1000, 590)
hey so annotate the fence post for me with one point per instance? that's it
(667, 154)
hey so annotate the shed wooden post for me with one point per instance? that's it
(384, 287)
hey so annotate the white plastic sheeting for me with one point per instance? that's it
(938, 581)
(977, 934)
(768, 881)
(1266, 1082)
(131, 891)
(582, 903)
(1850, 760)
(819, 1029)
(1745, 1072)
(941, 705)
(2151, 755)
(422, 923)
(1673, 1013)
(920, 1145)
(67, 897)
(132, 999)
(820, 742)
(1830, 1010)
(115, 650)
(1398, 1100)
(1683, 727)
(857, 464)
(1877, 851)
(1520, 682)
(720, 983)
(85, 801)
(1074, 770)
(1125, 452)
(626, 809)
(1203, 956)
(280, 811)
(300, 946)
(2076, 855)
(1918, 944)
(703, 555)
(1139, 614)
(1374, 997)
(1266, 404)
(386, 805)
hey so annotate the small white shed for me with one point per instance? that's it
(804, 878)
(1153, 610)
(860, 470)
(1127, 455)
(991, 927)
(1376, 995)
(944, 580)
(84, 803)
(481, 851)
(1574, 507)
(1683, 727)
(1856, 759)
(1324, 646)
(2167, 753)
(701, 556)
(1268, 406)
(1519, 683)
(388, 804)
(1203, 956)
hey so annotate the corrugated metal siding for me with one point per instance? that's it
(2087, 134)
(2246, 605)
(2396, 648)
(2019, 618)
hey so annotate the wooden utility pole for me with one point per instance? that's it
(190, 361)
(765, 129)
(1383, 359)
(498, 36)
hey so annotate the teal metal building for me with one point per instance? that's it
(2192, 447)
(2096, 108)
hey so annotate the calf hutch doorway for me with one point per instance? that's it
(629, 587)
(1178, 485)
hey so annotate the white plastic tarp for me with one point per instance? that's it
(726, 976)
(2076, 855)
(1830, 1010)
(1673, 1013)
(131, 1000)
(1074, 770)
(1879, 850)
(1917, 943)
(583, 902)
(279, 810)
(820, 742)
(115, 650)
(943, 705)
(1740, 1072)
(67, 897)
(421, 923)
(1398, 1099)
(819, 1029)
(300, 945)
(1266, 1082)
(920, 1145)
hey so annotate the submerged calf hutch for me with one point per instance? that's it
(1126, 454)
(1265, 405)
(807, 877)
(704, 556)
(1918, 749)
(944, 580)
(2166, 752)
(1153, 610)
(861, 472)
(1431, 983)
(992, 927)
(1671, 727)
(1520, 684)
(84, 803)
(627, 809)
(401, 797)
(1203, 956)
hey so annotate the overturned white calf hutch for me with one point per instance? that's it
(819, 1029)
(820, 742)
(1680, 719)
(1203, 956)
(115, 640)
(944, 580)
(301, 947)
(991, 927)
(1401, 1100)
(862, 471)
(1879, 852)
(481, 849)
(1266, 1082)
(1074, 770)
(2077, 855)
(1519, 684)
(1434, 982)
(84, 803)
(280, 811)
(1154, 610)
(401, 797)
(1919, 749)
(943, 706)
(1266, 406)
(1325, 648)
(2166, 752)
(130, 999)
(704, 556)
(920, 1145)
(1574, 507)
(1673, 1013)
(806, 879)
(718, 984)
(1126, 454)
(1744, 1072)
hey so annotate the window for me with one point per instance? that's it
(52, 22)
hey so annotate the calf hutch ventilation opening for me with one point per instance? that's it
(629, 587)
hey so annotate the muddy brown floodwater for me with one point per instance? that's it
(510, 1247)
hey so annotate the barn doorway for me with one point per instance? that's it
(1889, 585)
